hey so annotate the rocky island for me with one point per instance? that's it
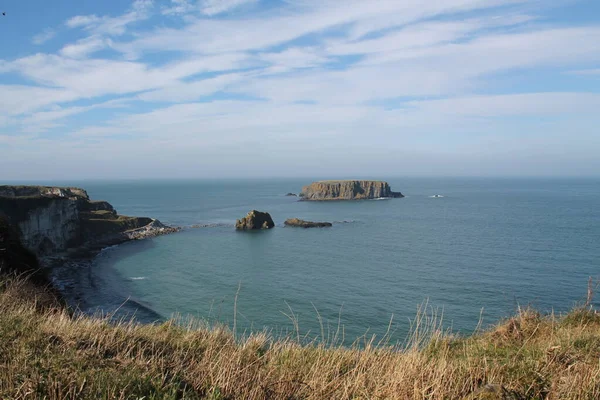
(58, 221)
(347, 190)
(297, 222)
(255, 220)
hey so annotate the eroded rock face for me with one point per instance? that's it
(16, 260)
(255, 220)
(13, 256)
(347, 190)
(306, 224)
(53, 220)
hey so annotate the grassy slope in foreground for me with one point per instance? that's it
(45, 353)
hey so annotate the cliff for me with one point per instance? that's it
(347, 190)
(55, 220)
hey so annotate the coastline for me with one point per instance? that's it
(65, 268)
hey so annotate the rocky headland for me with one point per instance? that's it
(255, 220)
(62, 221)
(348, 190)
(300, 223)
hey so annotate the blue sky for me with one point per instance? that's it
(259, 88)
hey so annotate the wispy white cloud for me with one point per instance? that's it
(214, 7)
(66, 79)
(45, 120)
(82, 21)
(85, 47)
(22, 99)
(105, 25)
(310, 71)
(179, 7)
(258, 33)
(191, 91)
(44, 36)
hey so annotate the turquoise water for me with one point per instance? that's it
(486, 247)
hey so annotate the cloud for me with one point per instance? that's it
(586, 72)
(40, 122)
(84, 47)
(67, 79)
(44, 36)
(276, 28)
(227, 121)
(21, 99)
(190, 91)
(411, 77)
(82, 21)
(179, 7)
(105, 25)
(96, 77)
(214, 7)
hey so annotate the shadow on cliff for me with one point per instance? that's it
(19, 262)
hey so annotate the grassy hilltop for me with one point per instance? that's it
(47, 353)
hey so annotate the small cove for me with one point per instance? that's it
(490, 244)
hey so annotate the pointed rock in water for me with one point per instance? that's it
(255, 220)
(306, 224)
(290, 194)
(347, 190)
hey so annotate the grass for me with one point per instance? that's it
(47, 353)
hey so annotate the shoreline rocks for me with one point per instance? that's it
(255, 220)
(347, 190)
(300, 223)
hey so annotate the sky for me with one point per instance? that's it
(286, 88)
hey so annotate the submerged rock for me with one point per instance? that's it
(347, 190)
(290, 194)
(255, 220)
(306, 224)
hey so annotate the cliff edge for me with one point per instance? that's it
(347, 190)
(56, 220)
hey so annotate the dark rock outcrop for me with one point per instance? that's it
(22, 274)
(255, 220)
(14, 257)
(306, 224)
(290, 194)
(53, 221)
(348, 190)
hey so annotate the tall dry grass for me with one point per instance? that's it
(47, 353)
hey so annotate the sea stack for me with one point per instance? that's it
(255, 220)
(347, 190)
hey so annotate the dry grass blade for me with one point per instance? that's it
(47, 353)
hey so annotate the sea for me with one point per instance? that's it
(470, 251)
